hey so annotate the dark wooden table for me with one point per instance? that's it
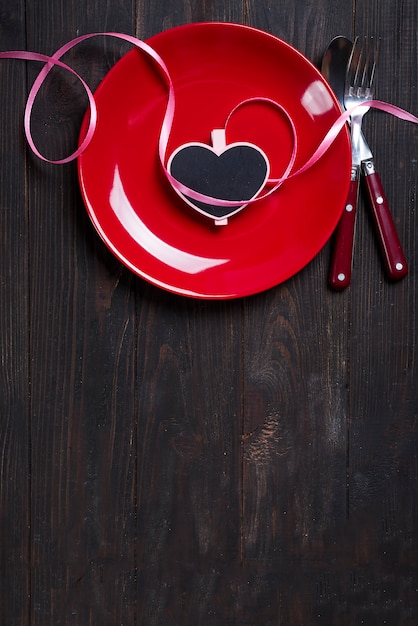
(172, 461)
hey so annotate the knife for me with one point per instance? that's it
(334, 69)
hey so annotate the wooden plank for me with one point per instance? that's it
(189, 445)
(188, 460)
(83, 333)
(383, 379)
(14, 325)
(296, 407)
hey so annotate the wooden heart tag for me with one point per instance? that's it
(233, 172)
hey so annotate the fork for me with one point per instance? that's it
(359, 88)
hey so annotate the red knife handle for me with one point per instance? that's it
(395, 262)
(342, 257)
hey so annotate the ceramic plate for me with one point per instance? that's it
(213, 66)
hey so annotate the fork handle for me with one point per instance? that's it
(394, 258)
(342, 256)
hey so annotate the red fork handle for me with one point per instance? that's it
(342, 256)
(393, 256)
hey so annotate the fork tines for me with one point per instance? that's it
(361, 68)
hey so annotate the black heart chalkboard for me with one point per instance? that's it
(236, 173)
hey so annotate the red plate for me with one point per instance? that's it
(214, 66)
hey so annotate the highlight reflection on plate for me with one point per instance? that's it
(214, 66)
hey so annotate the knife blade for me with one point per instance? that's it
(334, 69)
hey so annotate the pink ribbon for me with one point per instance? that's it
(55, 60)
(50, 61)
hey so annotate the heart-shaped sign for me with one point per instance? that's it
(233, 172)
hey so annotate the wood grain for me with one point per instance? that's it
(170, 461)
(15, 575)
(188, 467)
(384, 401)
(297, 410)
(83, 346)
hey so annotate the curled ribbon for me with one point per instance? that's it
(55, 60)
